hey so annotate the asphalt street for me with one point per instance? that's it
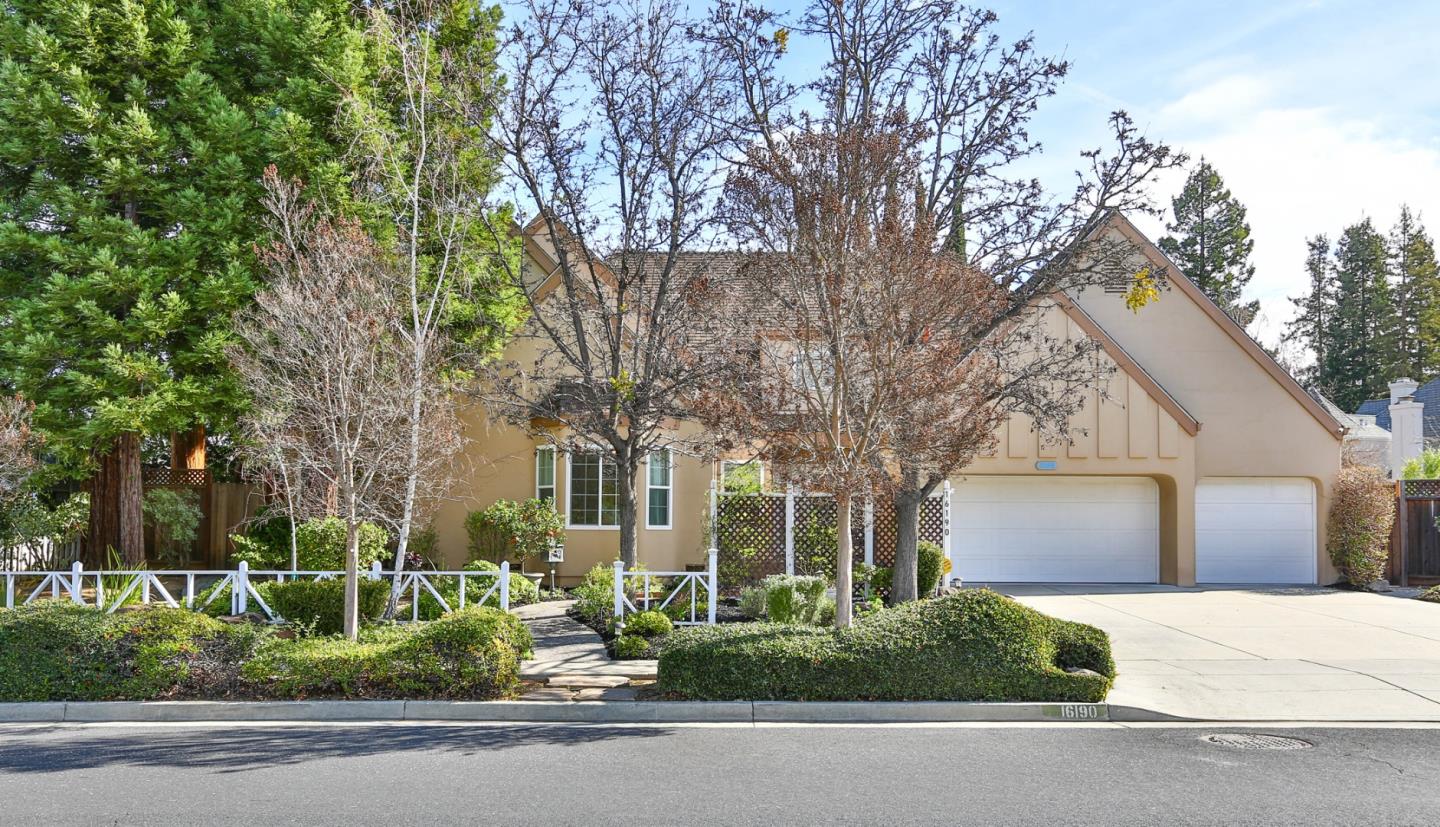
(599, 775)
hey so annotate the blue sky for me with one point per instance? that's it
(1316, 113)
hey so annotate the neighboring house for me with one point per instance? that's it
(1201, 460)
(1410, 418)
(1366, 443)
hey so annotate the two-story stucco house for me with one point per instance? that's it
(1201, 461)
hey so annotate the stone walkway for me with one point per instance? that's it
(571, 661)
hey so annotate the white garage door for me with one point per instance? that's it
(1056, 530)
(1255, 530)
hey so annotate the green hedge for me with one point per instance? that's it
(319, 605)
(319, 545)
(469, 654)
(58, 651)
(971, 646)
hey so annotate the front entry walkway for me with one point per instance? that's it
(1264, 653)
(566, 651)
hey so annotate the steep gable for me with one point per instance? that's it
(1246, 403)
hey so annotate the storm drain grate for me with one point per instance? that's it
(1245, 740)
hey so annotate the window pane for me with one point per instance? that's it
(609, 498)
(584, 489)
(545, 493)
(659, 507)
(545, 468)
(660, 468)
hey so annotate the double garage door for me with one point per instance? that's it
(1107, 530)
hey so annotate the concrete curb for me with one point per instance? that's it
(595, 712)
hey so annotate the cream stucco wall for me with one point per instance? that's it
(1122, 430)
(1251, 424)
(1188, 401)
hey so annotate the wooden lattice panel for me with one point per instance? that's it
(750, 537)
(160, 476)
(1422, 488)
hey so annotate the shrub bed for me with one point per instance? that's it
(970, 646)
(470, 654)
(319, 605)
(58, 651)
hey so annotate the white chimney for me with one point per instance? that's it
(1407, 424)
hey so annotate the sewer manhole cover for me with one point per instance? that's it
(1245, 740)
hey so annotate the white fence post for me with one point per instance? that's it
(714, 514)
(239, 597)
(789, 529)
(504, 585)
(375, 570)
(619, 589)
(713, 572)
(869, 531)
(945, 529)
(75, 584)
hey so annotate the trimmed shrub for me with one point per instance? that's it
(752, 602)
(793, 598)
(648, 624)
(319, 546)
(931, 558)
(1430, 595)
(319, 605)
(1361, 512)
(631, 647)
(470, 654)
(59, 651)
(970, 646)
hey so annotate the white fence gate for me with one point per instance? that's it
(641, 584)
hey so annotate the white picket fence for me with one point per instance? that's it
(241, 582)
(46, 553)
(687, 583)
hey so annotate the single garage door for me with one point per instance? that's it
(1056, 530)
(1255, 530)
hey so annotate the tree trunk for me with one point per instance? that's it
(187, 449)
(412, 481)
(844, 555)
(116, 519)
(625, 474)
(104, 533)
(352, 577)
(904, 575)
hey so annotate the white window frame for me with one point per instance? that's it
(540, 451)
(668, 488)
(600, 508)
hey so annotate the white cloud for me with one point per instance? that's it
(1300, 172)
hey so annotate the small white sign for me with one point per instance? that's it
(557, 554)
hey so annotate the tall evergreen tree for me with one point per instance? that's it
(133, 134)
(1417, 297)
(1361, 354)
(1209, 240)
(1314, 310)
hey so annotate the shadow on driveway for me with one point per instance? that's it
(226, 750)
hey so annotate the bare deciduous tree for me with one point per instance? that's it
(934, 77)
(615, 132)
(18, 444)
(325, 360)
(421, 151)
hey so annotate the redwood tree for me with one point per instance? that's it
(133, 134)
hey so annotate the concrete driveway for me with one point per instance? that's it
(1234, 653)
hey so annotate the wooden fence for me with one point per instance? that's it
(1415, 538)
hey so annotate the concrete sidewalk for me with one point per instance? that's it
(1284, 653)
